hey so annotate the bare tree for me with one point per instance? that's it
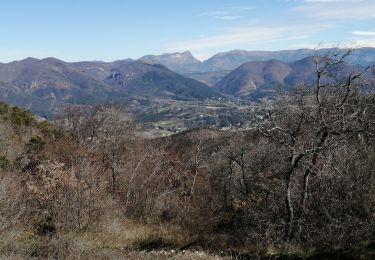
(315, 119)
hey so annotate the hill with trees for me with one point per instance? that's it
(48, 86)
(299, 184)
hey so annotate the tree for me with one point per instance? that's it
(312, 122)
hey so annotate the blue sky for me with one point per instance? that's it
(108, 30)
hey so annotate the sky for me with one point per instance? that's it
(76, 30)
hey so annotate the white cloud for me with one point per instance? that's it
(221, 15)
(299, 37)
(321, 1)
(322, 45)
(331, 1)
(365, 39)
(345, 45)
(292, 31)
(232, 13)
(337, 10)
(214, 13)
(364, 33)
(227, 17)
(365, 43)
(252, 34)
(303, 46)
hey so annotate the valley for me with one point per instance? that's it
(163, 117)
(168, 93)
(193, 130)
(170, 157)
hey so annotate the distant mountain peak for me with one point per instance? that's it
(178, 61)
(28, 60)
(185, 54)
(52, 59)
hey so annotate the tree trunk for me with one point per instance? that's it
(289, 206)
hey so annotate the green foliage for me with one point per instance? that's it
(46, 128)
(4, 163)
(32, 149)
(44, 226)
(35, 145)
(20, 116)
(4, 108)
(16, 115)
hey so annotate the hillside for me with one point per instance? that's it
(208, 78)
(262, 78)
(20, 131)
(251, 76)
(100, 189)
(148, 80)
(46, 86)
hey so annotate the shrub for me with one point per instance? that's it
(4, 163)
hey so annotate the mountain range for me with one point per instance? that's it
(45, 86)
(186, 63)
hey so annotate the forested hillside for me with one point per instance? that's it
(300, 184)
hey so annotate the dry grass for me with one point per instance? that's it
(112, 239)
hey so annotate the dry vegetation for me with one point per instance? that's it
(300, 184)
